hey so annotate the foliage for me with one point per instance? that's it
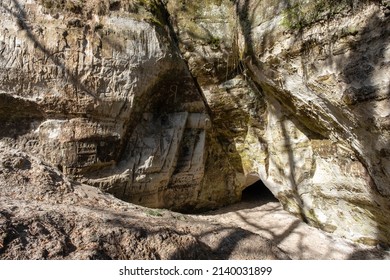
(154, 213)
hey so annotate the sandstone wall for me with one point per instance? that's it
(182, 104)
(100, 90)
(300, 96)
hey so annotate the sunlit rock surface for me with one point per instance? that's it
(300, 98)
(182, 104)
(102, 93)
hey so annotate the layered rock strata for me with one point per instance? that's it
(43, 215)
(102, 93)
(182, 105)
(300, 94)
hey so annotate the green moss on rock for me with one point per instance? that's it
(303, 13)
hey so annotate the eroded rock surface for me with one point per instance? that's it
(181, 105)
(300, 98)
(102, 92)
(43, 215)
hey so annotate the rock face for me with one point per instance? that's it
(43, 215)
(102, 93)
(328, 90)
(300, 98)
(181, 105)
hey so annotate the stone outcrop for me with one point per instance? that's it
(43, 215)
(102, 93)
(300, 98)
(326, 83)
(182, 104)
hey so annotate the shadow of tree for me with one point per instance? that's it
(370, 254)
(296, 239)
(358, 70)
(235, 243)
(17, 116)
(368, 98)
(23, 23)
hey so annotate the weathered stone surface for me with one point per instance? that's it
(43, 215)
(304, 108)
(331, 81)
(102, 93)
(182, 105)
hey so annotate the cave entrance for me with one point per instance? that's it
(257, 193)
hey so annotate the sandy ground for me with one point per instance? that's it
(266, 217)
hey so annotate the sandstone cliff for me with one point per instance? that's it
(182, 104)
(45, 216)
(299, 94)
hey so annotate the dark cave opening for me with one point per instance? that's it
(258, 192)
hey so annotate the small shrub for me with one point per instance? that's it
(154, 213)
